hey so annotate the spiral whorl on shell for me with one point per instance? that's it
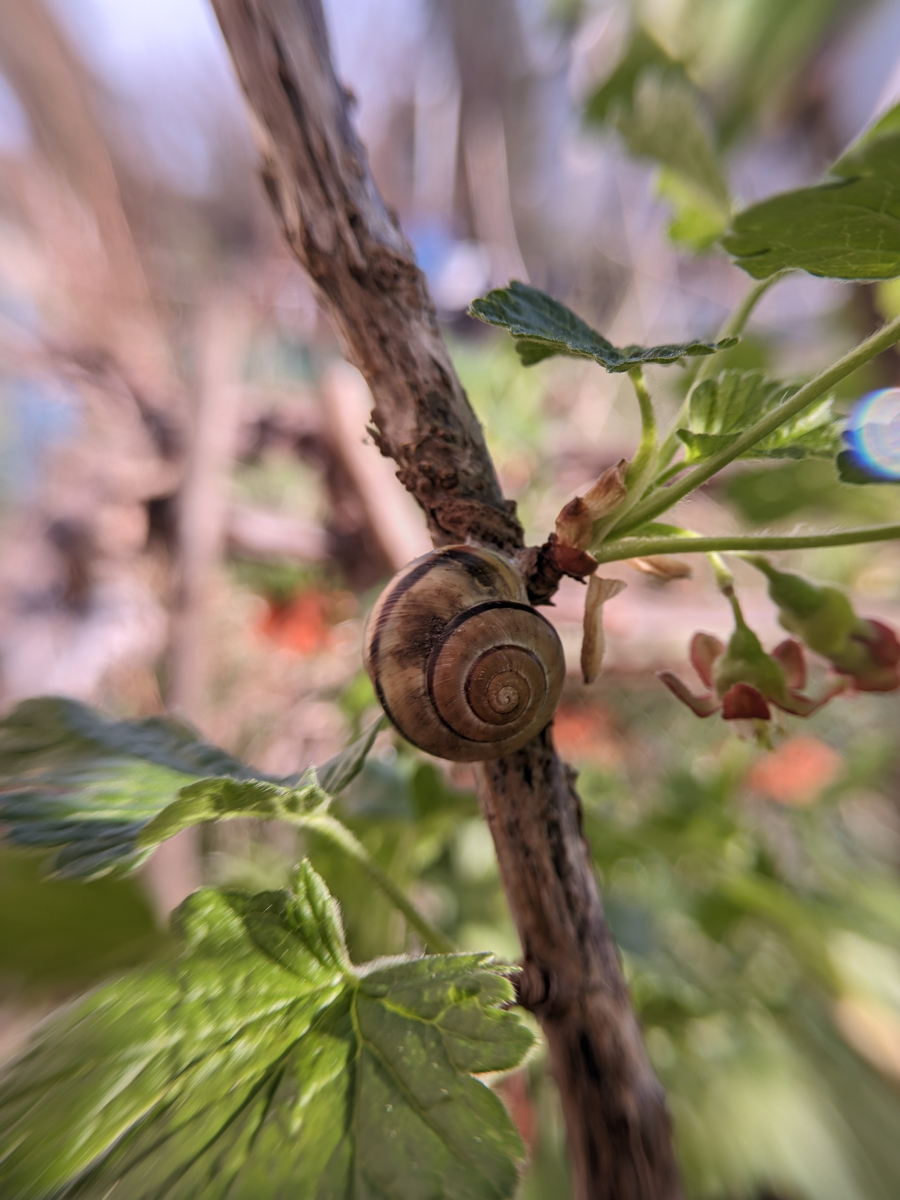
(463, 666)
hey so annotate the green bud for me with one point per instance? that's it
(820, 615)
(745, 661)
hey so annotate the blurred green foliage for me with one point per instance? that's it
(760, 937)
(746, 55)
(183, 1078)
(60, 935)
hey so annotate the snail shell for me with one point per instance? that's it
(464, 667)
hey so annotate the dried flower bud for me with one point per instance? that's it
(593, 642)
(575, 522)
(662, 566)
(574, 525)
(578, 564)
(608, 492)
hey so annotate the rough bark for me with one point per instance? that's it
(364, 270)
(317, 177)
(616, 1118)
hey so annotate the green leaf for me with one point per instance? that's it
(335, 774)
(261, 1063)
(617, 90)
(56, 934)
(724, 407)
(667, 122)
(543, 327)
(107, 792)
(696, 223)
(651, 101)
(845, 228)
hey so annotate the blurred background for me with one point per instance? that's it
(193, 519)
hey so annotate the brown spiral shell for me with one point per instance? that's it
(463, 666)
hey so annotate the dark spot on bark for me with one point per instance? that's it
(592, 1148)
(270, 183)
(588, 1061)
(287, 84)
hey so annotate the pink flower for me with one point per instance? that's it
(743, 680)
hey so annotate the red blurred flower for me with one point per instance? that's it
(870, 657)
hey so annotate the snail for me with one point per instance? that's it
(462, 664)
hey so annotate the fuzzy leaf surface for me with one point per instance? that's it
(723, 407)
(543, 327)
(261, 1063)
(845, 228)
(105, 793)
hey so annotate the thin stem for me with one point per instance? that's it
(724, 577)
(642, 467)
(341, 837)
(647, 449)
(635, 547)
(857, 357)
(669, 473)
(733, 326)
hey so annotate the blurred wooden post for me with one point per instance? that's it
(220, 344)
(395, 520)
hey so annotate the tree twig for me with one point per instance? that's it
(317, 178)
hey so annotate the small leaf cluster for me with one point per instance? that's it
(651, 101)
(724, 407)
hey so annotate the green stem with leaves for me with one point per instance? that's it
(640, 547)
(342, 839)
(663, 499)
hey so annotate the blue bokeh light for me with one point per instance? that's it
(874, 432)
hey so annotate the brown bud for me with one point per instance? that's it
(662, 566)
(574, 524)
(569, 561)
(593, 643)
(608, 492)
